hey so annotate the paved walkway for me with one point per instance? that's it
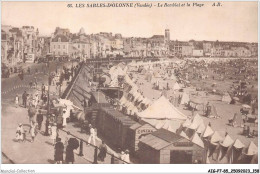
(41, 151)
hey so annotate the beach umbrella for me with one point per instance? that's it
(73, 143)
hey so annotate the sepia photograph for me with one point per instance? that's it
(129, 82)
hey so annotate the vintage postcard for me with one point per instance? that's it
(129, 82)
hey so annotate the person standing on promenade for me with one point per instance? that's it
(58, 154)
(92, 136)
(16, 100)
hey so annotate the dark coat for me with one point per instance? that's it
(69, 154)
(24, 96)
(59, 148)
(39, 117)
(32, 111)
(102, 152)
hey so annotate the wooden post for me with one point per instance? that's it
(81, 148)
(95, 155)
(113, 159)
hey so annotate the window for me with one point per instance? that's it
(63, 46)
(79, 46)
(58, 46)
(59, 39)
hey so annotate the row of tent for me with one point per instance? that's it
(224, 147)
(129, 103)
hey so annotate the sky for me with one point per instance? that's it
(233, 21)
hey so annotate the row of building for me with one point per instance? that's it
(25, 44)
(103, 45)
(194, 48)
(20, 44)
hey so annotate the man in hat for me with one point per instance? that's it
(24, 97)
(92, 135)
(39, 119)
(43, 88)
(58, 154)
(208, 109)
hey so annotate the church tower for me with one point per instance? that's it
(167, 35)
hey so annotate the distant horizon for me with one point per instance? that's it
(234, 22)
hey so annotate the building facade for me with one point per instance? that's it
(59, 46)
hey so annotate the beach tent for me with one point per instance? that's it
(156, 74)
(167, 126)
(238, 144)
(139, 98)
(252, 149)
(123, 100)
(196, 121)
(173, 77)
(236, 152)
(162, 109)
(226, 98)
(146, 101)
(176, 86)
(152, 122)
(201, 128)
(214, 144)
(227, 142)
(225, 150)
(185, 98)
(208, 132)
(159, 124)
(245, 156)
(215, 138)
(183, 134)
(143, 72)
(114, 82)
(197, 140)
(187, 123)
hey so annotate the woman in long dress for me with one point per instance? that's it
(69, 154)
(53, 133)
(59, 148)
(16, 100)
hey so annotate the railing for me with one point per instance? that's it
(69, 87)
(96, 148)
